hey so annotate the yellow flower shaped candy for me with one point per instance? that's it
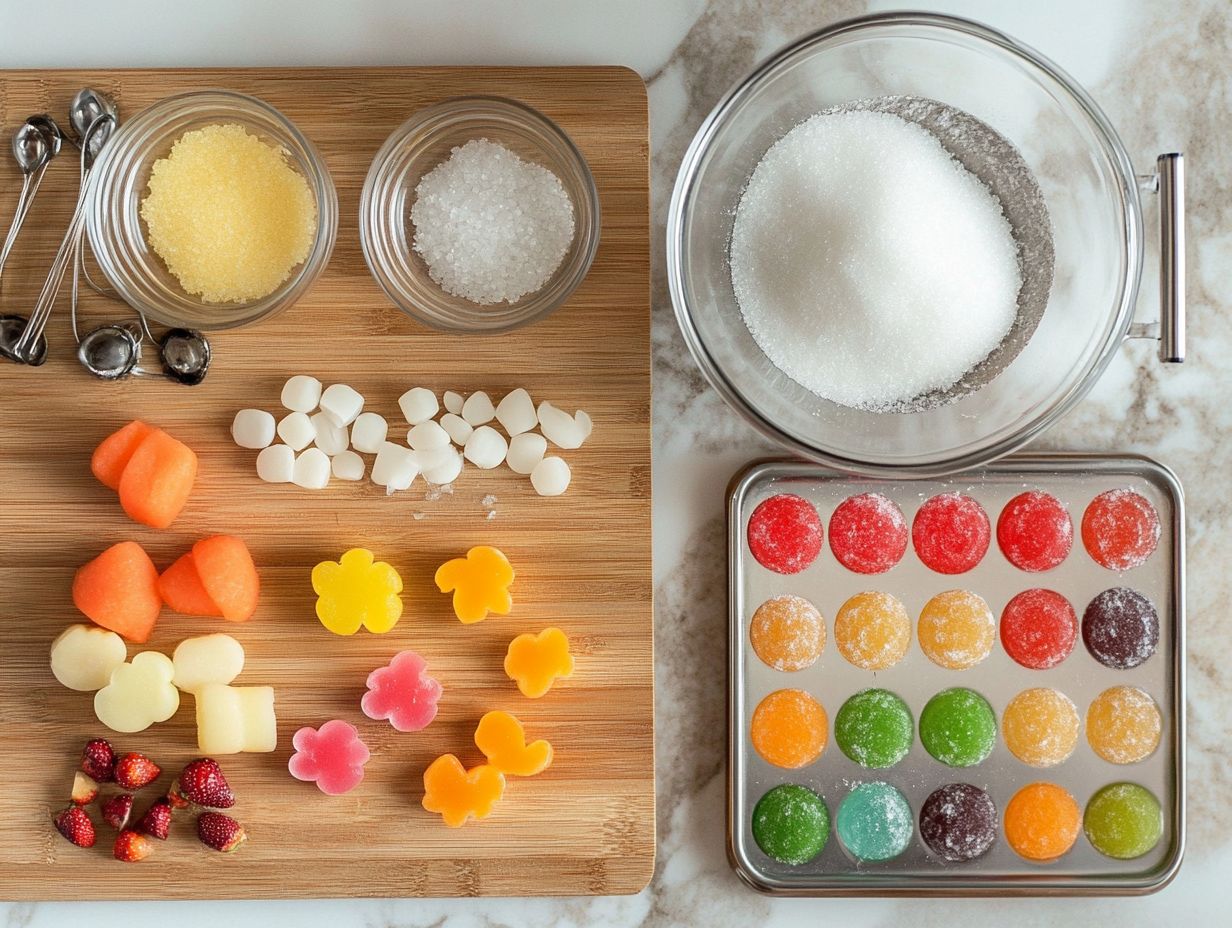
(353, 592)
(535, 662)
(479, 582)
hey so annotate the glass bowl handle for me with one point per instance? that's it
(1169, 182)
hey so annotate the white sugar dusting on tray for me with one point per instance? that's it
(869, 265)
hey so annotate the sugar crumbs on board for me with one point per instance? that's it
(491, 226)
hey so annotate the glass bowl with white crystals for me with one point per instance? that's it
(1086, 294)
(427, 140)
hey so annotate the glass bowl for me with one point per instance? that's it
(419, 145)
(1083, 174)
(119, 181)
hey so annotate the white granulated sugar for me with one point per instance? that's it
(490, 226)
(869, 265)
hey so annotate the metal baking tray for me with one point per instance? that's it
(1074, 479)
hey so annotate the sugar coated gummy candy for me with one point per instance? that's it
(958, 822)
(1040, 727)
(874, 822)
(1120, 628)
(951, 533)
(1042, 821)
(1123, 821)
(1038, 628)
(1120, 529)
(958, 727)
(785, 533)
(789, 728)
(1034, 531)
(1123, 725)
(788, 633)
(957, 629)
(791, 824)
(868, 533)
(874, 728)
(872, 630)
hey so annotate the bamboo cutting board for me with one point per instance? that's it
(582, 560)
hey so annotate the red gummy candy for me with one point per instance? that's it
(1039, 628)
(951, 533)
(1120, 529)
(1034, 531)
(785, 533)
(868, 533)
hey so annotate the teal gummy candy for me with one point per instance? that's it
(875, 822)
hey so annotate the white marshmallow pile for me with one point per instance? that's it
(325, 431)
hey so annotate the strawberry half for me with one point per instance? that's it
(220, 832)
(202, 783)
(85, 790)
(157, 820)
(98, 760)
(117, 810)
(133, 771)
(76, 826)
(131, 847)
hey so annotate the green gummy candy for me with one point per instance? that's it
(958, 727)
(791, 824)
(1123, 820)
(874, 728)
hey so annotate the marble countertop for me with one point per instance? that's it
(1161, 73)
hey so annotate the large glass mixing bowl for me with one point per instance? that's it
(1088, 185)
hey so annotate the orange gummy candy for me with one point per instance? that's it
(502, 739)
(1042, 821)
(535, 662)
(479, 583)
(788, 633)
(789, 728)
(459, 794)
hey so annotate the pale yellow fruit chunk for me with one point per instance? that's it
(235, 719)
(140, 693)
(84, 656)
(207, 659)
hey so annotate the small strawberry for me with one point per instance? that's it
(85, 790)
(76, 826)
(117, 810)
(221, 832)
(131, 847)
(133, 771)
(157, 820)
(203, 784)
(98, 760)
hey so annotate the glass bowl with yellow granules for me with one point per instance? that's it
(211, 210)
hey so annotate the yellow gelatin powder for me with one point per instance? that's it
(228, 215)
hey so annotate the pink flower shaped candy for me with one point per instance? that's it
(332, 756)
(402, 693)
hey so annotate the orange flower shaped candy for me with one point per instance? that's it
(459, 794)
(354, 592)
(479, 582)
(503, 741)
(535, 662)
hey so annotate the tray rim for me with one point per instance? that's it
(879, 886)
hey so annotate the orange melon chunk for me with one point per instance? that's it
(181, 588)
(228, 575)
(119, 591)
(157, 479)
(113, 452)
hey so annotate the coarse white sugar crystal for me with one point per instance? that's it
(478, 409)
(276, 464)
(516, 412)
(550, 477)
(253, 428)
(368, 432)
(418, 404)
(486, 447)
(330, 438)
(341, 403)
(347, 466)
(869, 265)
(458, 428)
(453, 402)
(296, 430)
(301, 393)
(525, 451)
(311, 470)
(490, 226)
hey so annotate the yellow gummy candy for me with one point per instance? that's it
(353, 592)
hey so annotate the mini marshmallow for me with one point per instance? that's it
(341, 403)
(478, 409)
(550, 477)
(418, 404)
(301, 393)
(584, 423)
(395, 467)
(311, 470)
(560, 428)
(329, 438)
(447, 467)
(454, 402)
(297, 431)
(427, 436)
(486, 447)
(516, 412)
(276, 464)
(253, 428)
(368, 432)
(525, 451)
(458, 428)
(347, 465)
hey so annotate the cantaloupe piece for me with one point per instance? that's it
(228, 575)
(119, 590)
(181, 588)
(157, 479)
(113, 452)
